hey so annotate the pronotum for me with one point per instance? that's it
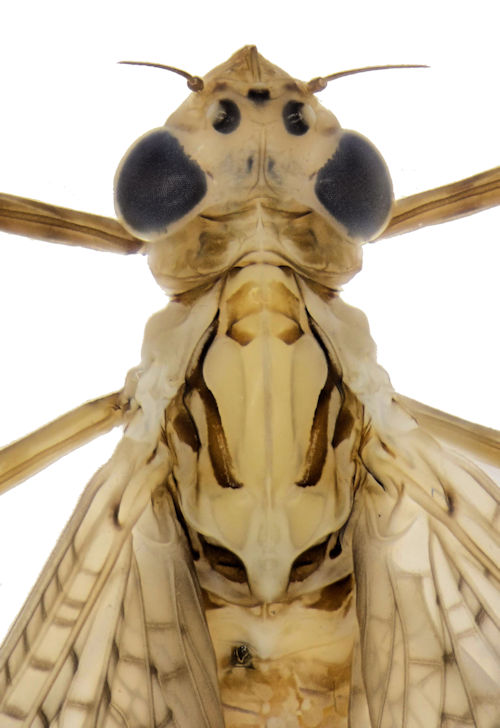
(270, 480)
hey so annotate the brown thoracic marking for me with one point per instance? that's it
(275, 297)
(218, 449)
(308, 561)
(186, 429)
(318, 440)
(343, 425)
(334, 595)
(224, 561)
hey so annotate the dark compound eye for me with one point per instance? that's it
(294, 118)
(355, 187)
(225, 116)
(158, 183)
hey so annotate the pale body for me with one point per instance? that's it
(268, 461)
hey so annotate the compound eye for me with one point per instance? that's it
(355, 187)
(224, 116)
(298, 117)
(157, 184)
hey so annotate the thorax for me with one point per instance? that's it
(265, 436)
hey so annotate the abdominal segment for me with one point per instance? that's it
(285, 665)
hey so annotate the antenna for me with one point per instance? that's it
(321, 82)
(195, 83)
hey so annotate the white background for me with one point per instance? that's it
(71, 321)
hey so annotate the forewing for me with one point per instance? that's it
(475, 442)
(113, 633)
(426, 551)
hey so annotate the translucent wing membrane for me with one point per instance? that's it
(425, 554)
(93, 644)
(482, 444)
(425, 551)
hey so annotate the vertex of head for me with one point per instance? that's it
(246, 71)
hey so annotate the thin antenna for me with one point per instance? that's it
(195, 83)
(320, 83)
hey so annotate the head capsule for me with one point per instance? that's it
(252, 148)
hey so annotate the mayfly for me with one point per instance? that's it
(279, 539)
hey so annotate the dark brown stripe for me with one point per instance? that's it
(318, 440)
(223, 561)
(218, 449)
(343, 425)
(186, 430)
(308, 561)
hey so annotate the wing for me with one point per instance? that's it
(426, 557)
(426, 554)
(113, 633)
(475, 442)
